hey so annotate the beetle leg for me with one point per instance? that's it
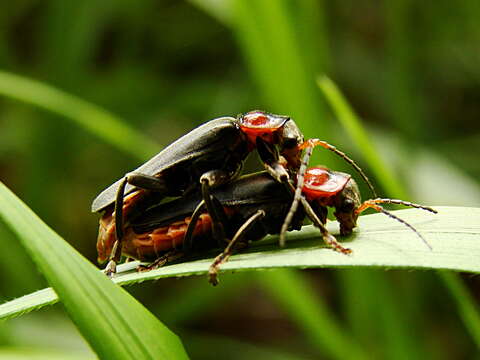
(142, 181)
(146, 182)
(214, 208)
(111, 267)
(223, 257)
(267, 152)
(210, 179)
(162, 260)
(222, 216)
(119, 218)
(278, 172)
(297, 195)
(271, 160)
(187, 240)
(116, 253)
(327, 237)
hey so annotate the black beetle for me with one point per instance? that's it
(210, 155)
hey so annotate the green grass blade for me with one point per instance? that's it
(310, 314)
(404, 82)
(283, 59)
(379, 242)
(284, 51)
(101, 123)
(27, 303)
(112, 321)
(358, 135)
(466, 304)
(8, 266)
(380, 297)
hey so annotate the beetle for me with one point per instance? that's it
(325, 188)
(207, 157)
(249, 208)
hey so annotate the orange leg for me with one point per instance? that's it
(328, 238)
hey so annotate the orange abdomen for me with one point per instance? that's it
(150, 245)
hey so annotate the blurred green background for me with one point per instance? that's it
(409, 69)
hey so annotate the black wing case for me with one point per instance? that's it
(201, 141)
(250, 190)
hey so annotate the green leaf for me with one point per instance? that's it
(453, 233)
(114, 323)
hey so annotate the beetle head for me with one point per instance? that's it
(289, 139)
(334, 189)
(346, 203)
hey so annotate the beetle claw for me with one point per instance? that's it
(110, 269)
(213, 275)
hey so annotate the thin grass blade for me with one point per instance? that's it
(99, 122)
(310, 314)
(466, 304)
(359, 136)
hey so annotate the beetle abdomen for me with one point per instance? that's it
(148, 245)
(151, 245)
(106, 228)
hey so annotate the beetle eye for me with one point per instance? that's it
(289, 143)
(291, 135)
(348, 206)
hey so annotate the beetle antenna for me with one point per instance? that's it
(367, 203)
(373, 203)
(297, 195)
(325, 145)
